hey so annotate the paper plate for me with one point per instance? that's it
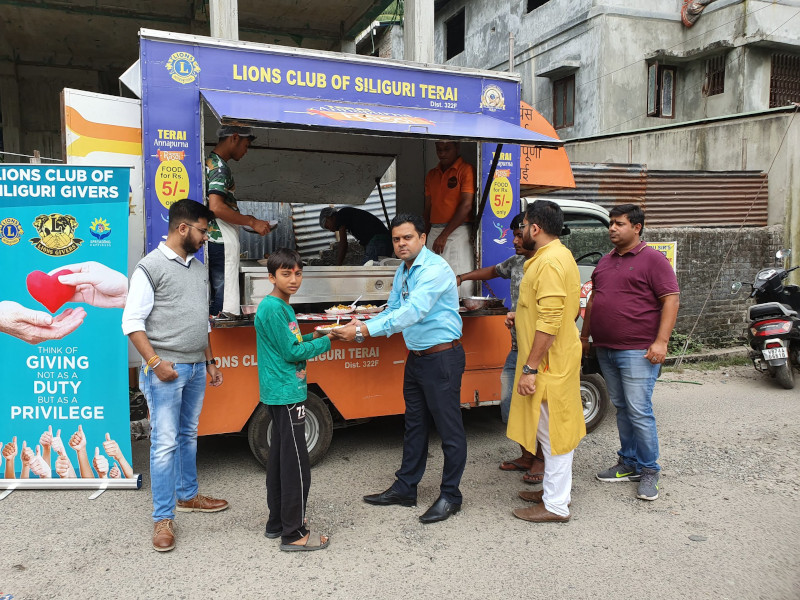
(338, 311)
(329, 327)
(368, 310)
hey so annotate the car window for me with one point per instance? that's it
(586, 237)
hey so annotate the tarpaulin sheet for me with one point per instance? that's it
(262, 110)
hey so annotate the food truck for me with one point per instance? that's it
(329, 125)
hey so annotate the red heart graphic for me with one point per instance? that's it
(48, 290)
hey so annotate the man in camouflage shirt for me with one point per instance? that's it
(511, 269)
(223, 231)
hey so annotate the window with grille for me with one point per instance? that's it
(660, 91)
(534, 4)
(455, 28)
(715, 76)
(784, 80)
(564, 102)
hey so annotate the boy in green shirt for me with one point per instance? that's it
(282, 355)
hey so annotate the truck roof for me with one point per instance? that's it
(578, 207)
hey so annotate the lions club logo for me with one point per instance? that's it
(183, 67)
(100, 229)
(56, 234)
(10, 231)
(492, 98)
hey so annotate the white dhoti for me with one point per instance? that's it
(458, 253)
(557, 482)
(231, 302)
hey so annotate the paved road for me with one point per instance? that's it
(730, 480)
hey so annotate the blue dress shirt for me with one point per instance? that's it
(423, 304)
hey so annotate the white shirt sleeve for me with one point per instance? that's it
(139, 303)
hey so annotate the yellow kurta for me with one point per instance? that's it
(549, 301)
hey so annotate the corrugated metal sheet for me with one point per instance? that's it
(311, 239)
(675, 198)
(282, 237)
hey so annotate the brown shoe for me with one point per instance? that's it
(164, 535)
(535, 497)
(201, 503)
(539, 514)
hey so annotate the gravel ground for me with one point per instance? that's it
(726, 524)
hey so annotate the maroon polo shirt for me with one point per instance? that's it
(626, 287)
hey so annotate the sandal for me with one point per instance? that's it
(534, 476)
(276, 534)
(518, 464)
(313, 542)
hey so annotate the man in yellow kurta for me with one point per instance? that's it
(546, 404)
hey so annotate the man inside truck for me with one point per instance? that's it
(364, 226)
(223, 230)
(449, 198)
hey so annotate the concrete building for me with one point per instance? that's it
(632, 84)
(604, 66)
(697, 98)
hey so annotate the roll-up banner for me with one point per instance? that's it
(64, 411)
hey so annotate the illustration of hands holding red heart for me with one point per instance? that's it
(34, 326)
(92, 283)
(89, 282)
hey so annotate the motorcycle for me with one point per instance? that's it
(774, 330)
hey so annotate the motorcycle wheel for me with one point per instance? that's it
(785, 375)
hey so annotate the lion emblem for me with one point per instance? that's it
(56, 234)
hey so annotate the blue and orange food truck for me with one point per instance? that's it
(327, 125)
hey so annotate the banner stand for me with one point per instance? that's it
(101, 485)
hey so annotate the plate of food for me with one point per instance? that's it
(329, 326)
(339, 309)
(369, 309)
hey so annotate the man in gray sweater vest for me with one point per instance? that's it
(166, 319)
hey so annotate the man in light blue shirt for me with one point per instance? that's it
(423, 305)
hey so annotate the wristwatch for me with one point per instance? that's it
(526, 370)
(359, 336)
(213, 361)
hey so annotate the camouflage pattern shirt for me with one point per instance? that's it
(219, 180)
(511, 268)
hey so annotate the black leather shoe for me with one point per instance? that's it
(439, 511)
(390, 497)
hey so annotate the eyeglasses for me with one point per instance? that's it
(202, 231)
(404, 289)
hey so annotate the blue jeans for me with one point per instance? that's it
(630, 378)
(174, 412)
(216, 277)
(507, 384)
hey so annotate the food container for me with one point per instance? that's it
(249, 309)
(481, 302)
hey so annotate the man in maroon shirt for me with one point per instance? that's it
(630, 316)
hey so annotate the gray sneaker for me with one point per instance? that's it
(619, 472)
(648, 486)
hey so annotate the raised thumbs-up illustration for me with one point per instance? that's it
(78, 440)
(111, 447)
(63, 465)
(58, 444)
(100, 463)
(39, 466)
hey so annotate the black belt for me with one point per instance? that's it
(437, 348)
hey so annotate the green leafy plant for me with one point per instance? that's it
(678, 340)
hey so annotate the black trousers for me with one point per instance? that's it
(288, 472)
(432, 391)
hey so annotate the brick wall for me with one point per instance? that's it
(700, 255)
